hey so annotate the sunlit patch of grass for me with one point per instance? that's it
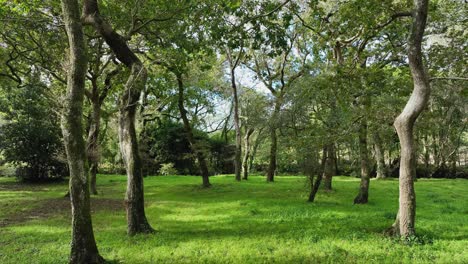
(247, 222)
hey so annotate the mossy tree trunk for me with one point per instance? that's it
(83, 244)
(134, 198)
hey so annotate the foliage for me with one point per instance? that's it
(167, 169)
(31, 138)
(168, 144)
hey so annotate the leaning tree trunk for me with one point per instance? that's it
(363, 194)
(134, 198)
(83, 244)
(274, 141)
(330, 169)
(245, 162)
(188, 130)
(404, 123)
(379, 157)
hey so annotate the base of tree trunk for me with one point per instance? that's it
(141, 229)
(206, 182)
(391, 232)
(361, 199)
(84, 257)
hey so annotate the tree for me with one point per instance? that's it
(404, 225)
(83, 245)
(233, 63)
(251, 103)
(188, 130)
(96, 95)
(136, 218)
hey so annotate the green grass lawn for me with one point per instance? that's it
(246, 222)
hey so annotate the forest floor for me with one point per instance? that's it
(246, 222)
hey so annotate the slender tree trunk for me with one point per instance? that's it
(245, 162)
(379, 157)
(188, 130)
(134, 198)
(426, 157)
(404, 123)
(257, 141)
(329, 169)
(274, 141)
(238, 152)
(93, 138)
(83, 244)
(363, 195)
(316, 184)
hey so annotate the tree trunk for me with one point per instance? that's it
(257, 141)
(245, 162)
(134, 198)
(93, 137)
(363, 195)
(379, 157)
(274, 141)
(83, 244)
(404, 123)
(238, 152)
(188, 130)
(329, 169)
(315, 185)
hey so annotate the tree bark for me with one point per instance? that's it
(404, 123)
(134, 199)
(363, 194)
(188, 130)
(330, 169)
(136, 217)
(245, 162)
(379, 157)
(83, 244)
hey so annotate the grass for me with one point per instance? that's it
(247, 222)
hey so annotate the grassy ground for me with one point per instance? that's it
(247, 222)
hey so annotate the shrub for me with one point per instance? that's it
(168, 169)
